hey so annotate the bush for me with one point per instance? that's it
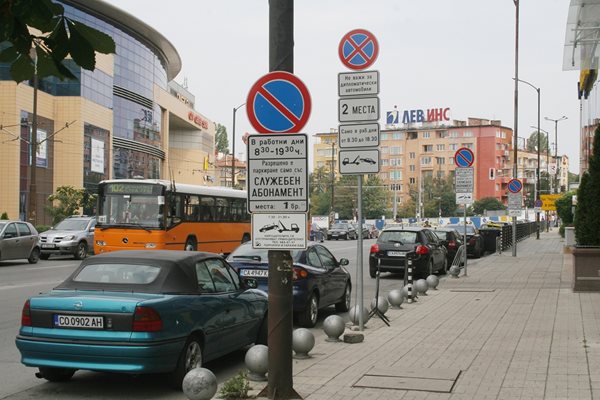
(587, 214)
(235, 388)
(4, 215)
(561, 230)
(42, 228)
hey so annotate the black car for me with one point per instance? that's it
(451, 240)
(319, 279)
(342, 230)
(389, 252)
(475, 244)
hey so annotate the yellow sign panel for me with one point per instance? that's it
(548, 201)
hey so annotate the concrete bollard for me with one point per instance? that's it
(257, 362)
(199, 384)
(381, 303)
(396, 298)
(303, 342)
(333, 326)
(421, 287)
(433, 281)
(353, 314)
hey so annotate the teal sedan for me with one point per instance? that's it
(142, 312)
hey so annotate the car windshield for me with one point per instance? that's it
(404, 237)
(118, 273)
(245, 252)
(461, 229)
(441, 234)
(2, 224)
(339, 226)
(72, 225)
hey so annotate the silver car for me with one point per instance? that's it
(19, 240)
(73, 235)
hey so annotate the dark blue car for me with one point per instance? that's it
(135, 312)
(320, 280)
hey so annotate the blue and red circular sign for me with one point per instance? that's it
(515, 185)
(358, 49)
(278, 102)
(464, 157)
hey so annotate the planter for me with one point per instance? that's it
(586, 269)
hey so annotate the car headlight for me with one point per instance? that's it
(150, 245)
(100, 242)
(70, 237)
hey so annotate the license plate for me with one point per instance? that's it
(255, 273)
(396, 253)
(78, 321)
(47, 246)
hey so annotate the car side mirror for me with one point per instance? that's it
(92, 229)
(344, 261)
(250, 283)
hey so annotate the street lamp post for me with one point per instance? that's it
(32, 209)
(331, 213)
(516, 121)
(233, 145)
(556, 121)
(537, 174)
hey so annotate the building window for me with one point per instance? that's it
(453, 146)
(451, 160)
(468, 134)
(395, 175)
(412, 155)
(396, 161)
(396, 187)
(385, 162)
(428, 148)
(440, 160)
(425, 160)
(412, 181)
(453, 134)
(412, 168)
(440, 147)
(384, 136)
(395, 150)
(384, 150)
(397, 136)
(467, 145)
(426, 135)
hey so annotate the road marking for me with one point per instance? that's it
(56, 266)
(23, 285)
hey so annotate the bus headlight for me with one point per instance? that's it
(150, 245)
(100, 242)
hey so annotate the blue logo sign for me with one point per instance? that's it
(464, 157)
(278, 102)
(515, 186)
(391, 117)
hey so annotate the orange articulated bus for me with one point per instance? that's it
(143, 214)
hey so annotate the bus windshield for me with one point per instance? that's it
(131, 204)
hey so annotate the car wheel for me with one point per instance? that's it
(444, 265)
(308, 317)
(44, 256)
(56, 374)
(190, 358)
(34, 256)
(190, 245)
(372, 272)
(344, 304)
(263, 331)
(82, 250)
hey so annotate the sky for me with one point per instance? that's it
(432, 53)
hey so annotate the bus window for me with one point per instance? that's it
(192, 208)
(238, 210)
(222, 210)
(174, 211)
(207, 209)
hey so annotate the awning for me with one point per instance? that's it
(582, 36)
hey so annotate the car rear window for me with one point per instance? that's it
(442, 235)
(131, 274)
(461, 229)
(406, 237)
(340, 226)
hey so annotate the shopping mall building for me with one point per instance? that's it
(125, 119)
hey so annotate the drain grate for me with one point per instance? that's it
(424, 379)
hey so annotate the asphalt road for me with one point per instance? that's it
(19, 280)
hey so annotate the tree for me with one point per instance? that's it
(563, 208)
(587, 214)
(374, 201)
(487, 203)
(221, 140)
(532, 142)
(68, 201)
(41, 24)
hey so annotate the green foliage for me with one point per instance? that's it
(561, 230)
(221, 140)
(532, 142)
(42, 228)
(4, 215)
(563, 208)
(69, 200)
(60, 37)
(235, 388)
(487, 203)
(587, 214)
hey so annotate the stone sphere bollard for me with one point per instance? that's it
(199, 384)
(333, 326)
(257, 362)
(381, 303)
(433, 281)
(454, 271)
(303, 341)
(421, 287)
(405, 290)
(354, 315)
(396, 298)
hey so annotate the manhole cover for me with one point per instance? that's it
(424, 379)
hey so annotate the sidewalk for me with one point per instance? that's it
(512, 329)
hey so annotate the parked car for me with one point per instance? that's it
(451, 240)
(19, 240)
(73, 235)
(142, 311)
(389, 252)
(319, 279)
(342, 230)
(373, 231)
(475, 245)
(365, 231)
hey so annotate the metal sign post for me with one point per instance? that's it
(515, 203)
(464, 184)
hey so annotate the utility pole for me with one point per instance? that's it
(32, 204)
(516, 121)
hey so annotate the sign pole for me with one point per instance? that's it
(360, 255)
(465, 238)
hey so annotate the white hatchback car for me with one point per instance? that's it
(19, 240)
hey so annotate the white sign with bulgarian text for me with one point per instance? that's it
(278, 173)
(279, 231)
(358, 135)
(357, 109)
(358, 83)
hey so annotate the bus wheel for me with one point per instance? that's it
(245, 238)
(191, 244)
